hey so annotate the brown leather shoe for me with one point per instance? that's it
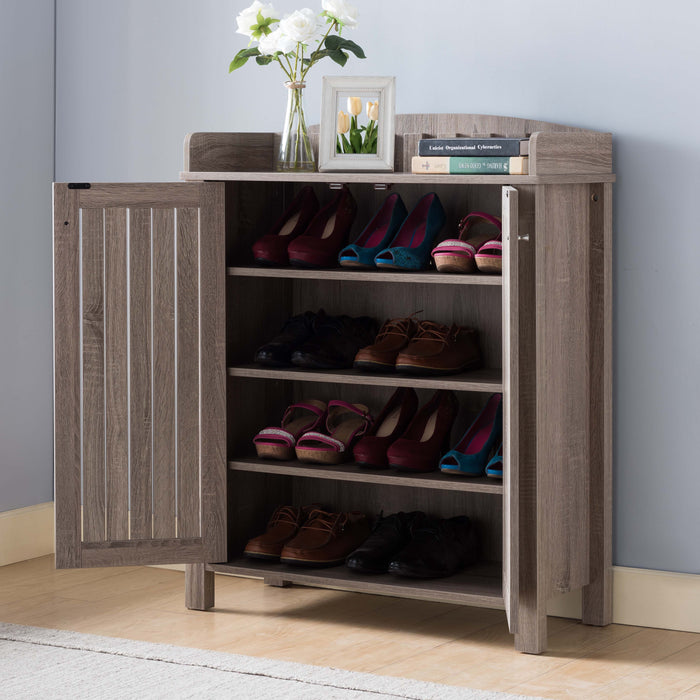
(393, 337)
(326, 539)
(440, 349)
(283, 525)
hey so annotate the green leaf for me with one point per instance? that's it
(264, 60)
(347, 148)
(356, 140)
(336, 43)
(241, 58)
(339, 57)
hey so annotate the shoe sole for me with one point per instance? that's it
(368, 366)
(311, 562)
(435, 371)
(260, 555)
(459, 472)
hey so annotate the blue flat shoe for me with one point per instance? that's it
(377, 234)
(470, 455)
(494, 468)
(410, 249)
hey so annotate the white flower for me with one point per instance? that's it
(301, 26)
(276, 41)
(247, 20)
(342, 11)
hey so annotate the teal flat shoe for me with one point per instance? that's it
(470, 455)
(377, 234)
(410, 249)
(494, 468)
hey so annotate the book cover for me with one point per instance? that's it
(495, 146)
(461, 165)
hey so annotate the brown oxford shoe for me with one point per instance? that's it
(440, 349)
(326, 539)
(283, 525)
(393, 337)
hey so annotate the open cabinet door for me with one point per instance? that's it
(518, 368)
(139, 374)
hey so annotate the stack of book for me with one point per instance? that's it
(472, 156)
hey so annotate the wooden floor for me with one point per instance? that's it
(426, 641)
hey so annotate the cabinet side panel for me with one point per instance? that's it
(563, 361)
(66, 262)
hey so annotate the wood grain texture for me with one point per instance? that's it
(140, 409)
(116, 375)
(563, 384)
(141, 552)
(164, 435)
(229, 151)
(597, 596)
(579, 153)
(212, 310)
(67, 355)
(188, 399)
(138, 194)
(93, 394)
(528, 591)
(199, 587)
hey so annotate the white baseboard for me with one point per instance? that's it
(26, 533)
(645, 598)
(641, 597)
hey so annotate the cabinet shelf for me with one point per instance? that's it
(480, 380)
(479, 585)
(339, 275)
(352, 472)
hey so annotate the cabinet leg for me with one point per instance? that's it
(277, 581)
(597, 600)
(199, 587)
(531, 637)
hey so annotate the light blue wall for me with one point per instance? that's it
(26, 172)
(134, 76)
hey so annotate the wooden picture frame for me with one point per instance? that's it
(336, 91)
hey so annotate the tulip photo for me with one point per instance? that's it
(360, 138)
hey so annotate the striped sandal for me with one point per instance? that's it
(345, 424)
(299, 418)
(459, 254)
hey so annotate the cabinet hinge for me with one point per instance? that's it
(78, 185)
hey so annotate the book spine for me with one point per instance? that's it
(457, 165)
(473, 147)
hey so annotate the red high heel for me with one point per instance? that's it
(318, 246)
(271, 249)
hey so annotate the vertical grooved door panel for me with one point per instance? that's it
(140, 466)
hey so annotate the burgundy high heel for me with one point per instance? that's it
(391, 423)
(420, 447)
(271, 248)
(318, 246)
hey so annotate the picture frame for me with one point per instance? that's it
(338, 152)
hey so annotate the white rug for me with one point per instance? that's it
(44, 663)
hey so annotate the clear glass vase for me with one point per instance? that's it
(295, 153)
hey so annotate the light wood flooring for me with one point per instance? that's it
(426, 641)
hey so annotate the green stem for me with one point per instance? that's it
(312, 57)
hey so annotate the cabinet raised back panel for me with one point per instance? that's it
(139, 336)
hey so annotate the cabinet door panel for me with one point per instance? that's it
(139, 341)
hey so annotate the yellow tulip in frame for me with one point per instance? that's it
(357, 124)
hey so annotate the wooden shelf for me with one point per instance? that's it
(352, 472)
(482, 380)
(344, 275)
(479, 586)
(394, 178)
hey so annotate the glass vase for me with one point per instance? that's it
(295, 153)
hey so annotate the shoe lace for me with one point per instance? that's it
(326, 522)
(397, 326)
(429, 330)
(284, 514)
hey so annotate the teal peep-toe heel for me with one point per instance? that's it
(377, 234)
(410, 249)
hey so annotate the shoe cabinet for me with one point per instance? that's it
(158, 311)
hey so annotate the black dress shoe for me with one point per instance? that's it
(389, 536)
(335, 342)
(438, 548)
(296, 331)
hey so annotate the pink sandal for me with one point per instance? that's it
(299, 418)
(346, 423)
(460, 254)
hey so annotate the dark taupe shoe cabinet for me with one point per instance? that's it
(158, 310)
